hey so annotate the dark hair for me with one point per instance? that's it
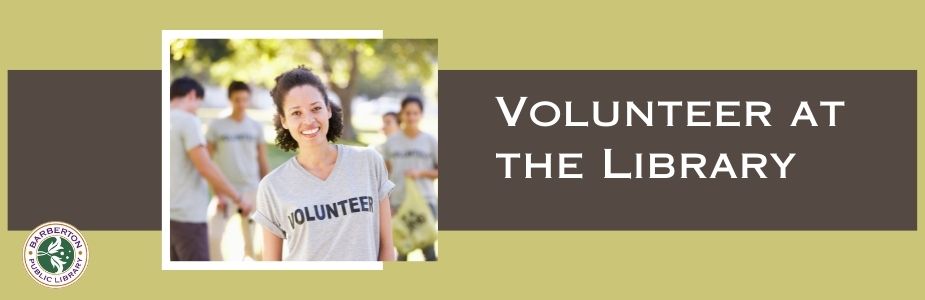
(287, 81)
(412, 99)
(183, 85)
(394, 115)
(238, 86)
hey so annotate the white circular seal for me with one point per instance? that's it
(55, 254)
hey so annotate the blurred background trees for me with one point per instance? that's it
(355, 70)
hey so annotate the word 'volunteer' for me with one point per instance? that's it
(756, 112)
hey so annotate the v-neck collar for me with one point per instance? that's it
(334, 170)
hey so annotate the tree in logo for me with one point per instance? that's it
(55, 254)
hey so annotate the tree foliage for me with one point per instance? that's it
(351, 68)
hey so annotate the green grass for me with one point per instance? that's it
(276, 156)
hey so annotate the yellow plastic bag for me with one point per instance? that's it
(413, 225)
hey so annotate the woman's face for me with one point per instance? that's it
(389, 124)
(306, 116)
(411, 115)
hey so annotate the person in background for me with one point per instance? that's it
(412, 153)
(190, 169)
(390, 123)
(237, 146)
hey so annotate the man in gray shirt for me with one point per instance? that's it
(237, 146)
(190, 168)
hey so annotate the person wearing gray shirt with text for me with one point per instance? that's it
(236, 144)
(411, 153)
(329, 202)
(190, 169)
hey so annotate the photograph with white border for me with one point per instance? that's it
(298, 150)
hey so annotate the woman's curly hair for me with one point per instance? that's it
(291, 79)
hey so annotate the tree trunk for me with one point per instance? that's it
(346, 97)
(345, 93)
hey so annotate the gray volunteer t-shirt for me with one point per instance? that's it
(336, 219)
(236, 149)
(189, 195)
(405, 153)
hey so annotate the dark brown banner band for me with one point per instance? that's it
(84, 148)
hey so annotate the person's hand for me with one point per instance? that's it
(222, 206)
(413, 174)
(245, 208)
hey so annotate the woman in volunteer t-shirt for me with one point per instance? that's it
(329, 202)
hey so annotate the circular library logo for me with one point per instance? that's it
(55, 254)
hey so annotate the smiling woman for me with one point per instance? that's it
(342, 191)
(311, 87)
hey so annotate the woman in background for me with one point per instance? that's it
(412, 153)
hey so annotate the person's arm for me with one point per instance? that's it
(426, 173)
(386, 248)
(211, 139)
(210, 172)
(262, 159)
(272, 246)
(211, 146)
(222, 200)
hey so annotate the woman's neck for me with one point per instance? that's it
(317, 156)
(411, 131)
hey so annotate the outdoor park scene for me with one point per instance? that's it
(368, 79)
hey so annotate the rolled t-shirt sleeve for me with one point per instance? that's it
(381, 175)
(190, 134)
(267, 213)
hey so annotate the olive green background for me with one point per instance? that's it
(102, 35)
